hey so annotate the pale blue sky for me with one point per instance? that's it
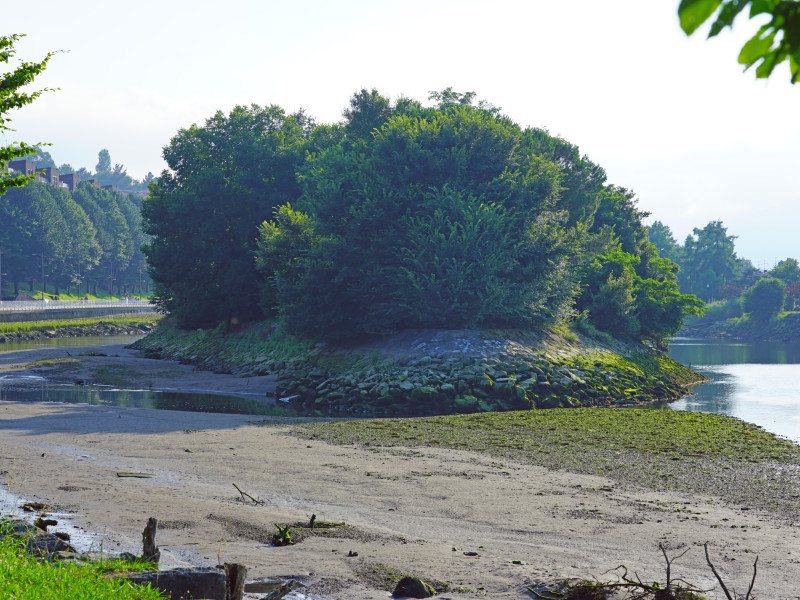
(673, 118)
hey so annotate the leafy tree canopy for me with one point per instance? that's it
(11, 98)
(775, 42)
(764, 299)
(787, 271)
(399, 216)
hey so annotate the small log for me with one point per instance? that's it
(235, 575)
(150, 551)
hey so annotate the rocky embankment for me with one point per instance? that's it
(435, 372)
(79, 330)
(784, 328)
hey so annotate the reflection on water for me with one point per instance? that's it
(757, 382)
(36, 389)
(31, 388)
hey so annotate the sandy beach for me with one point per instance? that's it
(422, 511)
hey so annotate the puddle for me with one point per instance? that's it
(80, 539)
(29, 388)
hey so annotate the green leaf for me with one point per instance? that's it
(756, 47)
(726, 16)
(693, 13)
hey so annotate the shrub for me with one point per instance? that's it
(764, 299)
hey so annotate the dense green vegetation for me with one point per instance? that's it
(736, 291)
(82, 242)
(400, 216)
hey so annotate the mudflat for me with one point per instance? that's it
(487, 528)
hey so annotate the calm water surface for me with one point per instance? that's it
(37, 389)
(758, 382)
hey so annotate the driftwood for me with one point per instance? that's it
(245, 494)
(235, 575)
(150, 551)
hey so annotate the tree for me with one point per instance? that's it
(775, 42)
(446, 219)
(202, 214)
(787, 271)
(41, 157)
(10, 99)
(661, 237)
(765, 299)
(103, 161)
(709, 261)
(368, 111)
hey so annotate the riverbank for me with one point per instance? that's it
(784, 327)
(484, 517)
(124, 324)
(426, 372)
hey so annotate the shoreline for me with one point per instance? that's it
(408, 509)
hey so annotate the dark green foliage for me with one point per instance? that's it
(91, 236)
(581, 178)
(765, 299)
(441, 221)
(661, 237)
(203, 215)
(632, 298)
(709, 261)
(399, 217)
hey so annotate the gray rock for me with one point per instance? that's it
(210, 584)
(413, 587)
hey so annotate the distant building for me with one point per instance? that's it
(50, 176)
(26, 167)
(71, 180)
(94, 182)
(111, 188)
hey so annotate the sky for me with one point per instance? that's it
(672, 117)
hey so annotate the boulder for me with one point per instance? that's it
(413, 587)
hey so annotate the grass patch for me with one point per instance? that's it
(23, 577)
(662, 449)
(523, 434)
(384, 577)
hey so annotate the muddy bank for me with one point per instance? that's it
(484, 527)
(120, 366)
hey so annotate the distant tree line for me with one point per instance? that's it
(84, 241)
(711, 270)
(400, 216)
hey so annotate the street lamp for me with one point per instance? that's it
(42, 255)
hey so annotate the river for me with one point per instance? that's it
(758, 382)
